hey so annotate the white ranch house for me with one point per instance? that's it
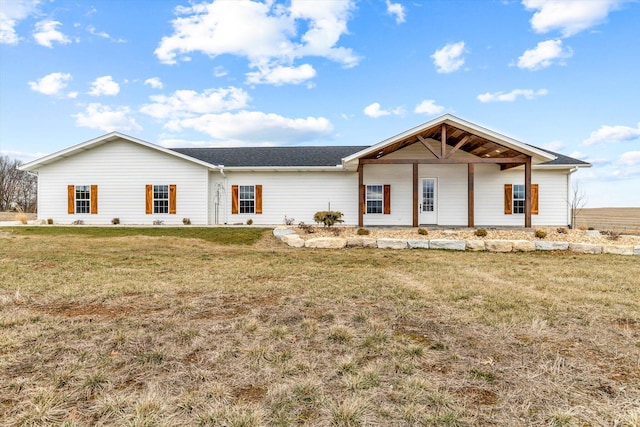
(447, 171)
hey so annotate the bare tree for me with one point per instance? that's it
(577, 202)
(16, 186)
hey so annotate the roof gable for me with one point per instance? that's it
(104, 139)
(462, 135)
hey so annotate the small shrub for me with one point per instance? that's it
(480, 232)
(158, 222)
(590, 228)
(422, 231)
(249, 221)
(50, 221)
(115, 221)
(186, 221)
(562, 230)
(22, 218)
(288, 221)
(362, 232)
(540, 234)
(307, 228)
(328, 218)
(78, 222)
(612, 234)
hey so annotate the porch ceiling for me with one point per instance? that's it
(454, 137)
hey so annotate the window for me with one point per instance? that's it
(247, 198)
(161, 199)
(83, 199)
(518, 199)
(374, 199)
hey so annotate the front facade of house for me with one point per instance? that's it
(445, 172)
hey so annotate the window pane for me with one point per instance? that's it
(161, 199)
(83, 198)
(518, 199)
(374, 199)
(246, 198)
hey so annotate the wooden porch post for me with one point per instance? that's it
(443, 141)
(470, 195)
(527, 193)
(415, 194)
(360, 195)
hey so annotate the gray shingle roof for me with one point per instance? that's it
(562, 159)
(272, 156)
(301, 156)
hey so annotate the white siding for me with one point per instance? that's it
(297, 195)
(452, 191)
(489, 196)
(121, 169)
(400, 179)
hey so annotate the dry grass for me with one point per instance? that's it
(627, 219)
(171, 331)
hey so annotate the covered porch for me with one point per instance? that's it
(451, 141)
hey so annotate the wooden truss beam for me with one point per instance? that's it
(457, 147)
(426, 144)
(490, 160)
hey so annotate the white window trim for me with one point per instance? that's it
(240, 199)
(76, 200)
(157, 199)
(513, 199)
(366, 201)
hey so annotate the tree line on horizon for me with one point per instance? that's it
(18, 189)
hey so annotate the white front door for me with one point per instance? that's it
(428, 203)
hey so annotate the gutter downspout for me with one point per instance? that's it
(221, 168)
(569, 209)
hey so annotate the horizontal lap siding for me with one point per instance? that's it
(452, 192)
(121, 170)
(400, 179)
(489, 196)
(297, 195)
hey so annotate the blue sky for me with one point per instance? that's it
(558, 74)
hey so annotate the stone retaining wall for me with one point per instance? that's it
(292, 239)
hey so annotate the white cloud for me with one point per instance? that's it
(92, 30)
(396, 9)
(250, 127)
(22, 155)
(630, 158)
(511, 96)
(51, 84)
(578, 155)
(428, 106)
(568, 16)
(154, 82)
(46, 33)
(264, 33)
(104, 86)
(374, 110)
(280, 75)
(11, 13)
(543, 55)
(107, 119)
(613, 134)
(189, 103)
(219, 71)
(554, 145)
(449, 58)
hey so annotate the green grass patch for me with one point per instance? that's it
(221, 236)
